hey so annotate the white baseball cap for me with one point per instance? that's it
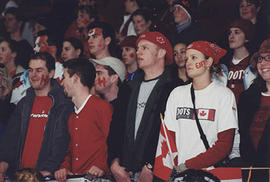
(116, 64)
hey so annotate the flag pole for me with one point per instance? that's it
(167, 139)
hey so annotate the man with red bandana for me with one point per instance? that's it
(132, 152)
(37, 135)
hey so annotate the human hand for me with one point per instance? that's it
(119, 172)
(3, 169)
(146, 175)
(61, 174)
(180, 168)
(95, 171)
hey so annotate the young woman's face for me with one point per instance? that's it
(196, 63)
(247, 10)
(180, 54)
(140, 25)
(83, 19)
(68, 51)
(263, 66)
(237, 38)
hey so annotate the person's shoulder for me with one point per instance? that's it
(222, 90)
(181, 90)
(99, 102)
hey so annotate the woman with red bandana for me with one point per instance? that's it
(202, 104)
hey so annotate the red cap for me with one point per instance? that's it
(161, 41)
(209, 49)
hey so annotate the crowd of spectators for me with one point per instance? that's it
(97, 74)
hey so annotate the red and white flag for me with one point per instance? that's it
(227, 174)
(166, 155)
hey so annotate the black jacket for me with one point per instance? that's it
(56, 137)
(249, 103)
(134, 154)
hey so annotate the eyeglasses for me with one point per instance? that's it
(261, 58)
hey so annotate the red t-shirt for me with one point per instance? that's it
(235, 77)
(36, 127)
(259, 121)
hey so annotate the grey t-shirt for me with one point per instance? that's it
(145, 91)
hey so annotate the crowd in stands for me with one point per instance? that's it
(84, 86)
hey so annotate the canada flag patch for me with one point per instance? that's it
(188, 113)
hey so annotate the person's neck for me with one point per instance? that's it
(254, 20)
(201, 82)
(152, 73)
(111, 94)
(44, 91)
(268, 87)
(132, 67)
(17, 36)
(240, 53)
(182, 74)
(103, 54)
(81, 95)
(10, 66)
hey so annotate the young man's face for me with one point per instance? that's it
(140, 25)
(247, 10)
(129, 55)
(83, 19)
(68, 51)
(6, 54)
(67, 83)
(39, 76)
(180, 16)
(196, 63)
(103, 80)
(96, 41)
(147, 54)
(41, 45)
(236, 38)
(11, 23)
(37, 28)
(128, 6)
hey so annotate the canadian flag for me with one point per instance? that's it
(166, 155)
(227, 174)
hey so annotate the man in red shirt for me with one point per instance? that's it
(37, 135)
(88, 125)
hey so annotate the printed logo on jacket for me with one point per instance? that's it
(188, 113)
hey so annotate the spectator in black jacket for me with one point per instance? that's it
(36, 135)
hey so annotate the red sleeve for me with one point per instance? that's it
(67, 161)
(216, 153)
(70, 32)
(105, 118)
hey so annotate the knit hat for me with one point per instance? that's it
(209, 49)
(245, 25)
(185, 5)
(116, 64)
(257, 3)
(161, 41)
(129, 41)
(264, 48)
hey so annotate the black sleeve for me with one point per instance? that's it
(9, 143)
(60, 140)
(116, 134)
